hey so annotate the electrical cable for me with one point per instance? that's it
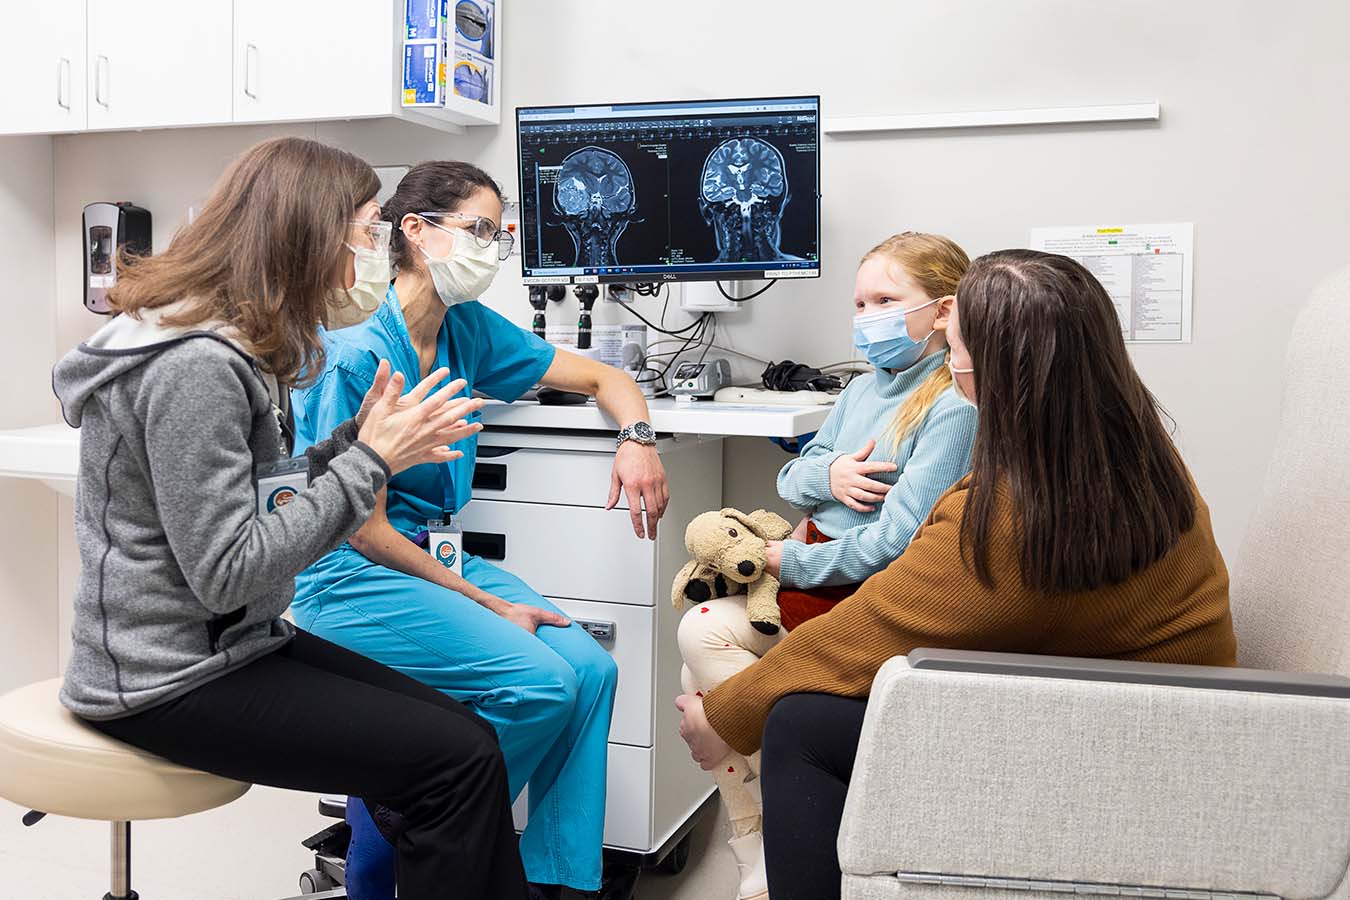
(726, 294)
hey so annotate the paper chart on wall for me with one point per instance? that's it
(1147, 270)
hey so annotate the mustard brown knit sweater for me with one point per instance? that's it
(1173, 611)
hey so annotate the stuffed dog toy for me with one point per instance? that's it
(729, 556)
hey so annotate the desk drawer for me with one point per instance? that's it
(632, 648)
(564, 551)
(531, 475)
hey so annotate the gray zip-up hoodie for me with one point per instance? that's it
(181, 579)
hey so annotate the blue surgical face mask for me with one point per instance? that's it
(884, 339)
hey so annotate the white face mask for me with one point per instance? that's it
(357, 303)
(466, 273)
(956, 384)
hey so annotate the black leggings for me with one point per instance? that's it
(315, 717)
(810, 742)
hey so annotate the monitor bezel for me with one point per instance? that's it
(673, 276)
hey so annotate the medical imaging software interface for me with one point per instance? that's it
(719, 189)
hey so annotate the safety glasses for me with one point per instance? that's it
(372, 234)
(483, 229)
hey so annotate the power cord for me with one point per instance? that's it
(790, 376)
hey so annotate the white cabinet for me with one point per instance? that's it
(158, 63)
(42, 68)
(537, 512)
(311, 60)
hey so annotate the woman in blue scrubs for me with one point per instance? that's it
(486, 638)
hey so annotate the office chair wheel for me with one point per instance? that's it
(677, 858)
(314, 881)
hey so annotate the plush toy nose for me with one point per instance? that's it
(745, 567)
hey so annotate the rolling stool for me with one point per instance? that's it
(52, 763)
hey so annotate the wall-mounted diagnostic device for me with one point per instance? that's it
(700, 380)
(703, 190)
(108, 229)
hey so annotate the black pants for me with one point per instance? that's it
(315, 717)
(810, 742)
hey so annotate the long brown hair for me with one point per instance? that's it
(936, 263)
(263, 255)
(1098, 489)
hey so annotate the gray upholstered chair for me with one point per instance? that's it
(980, 775)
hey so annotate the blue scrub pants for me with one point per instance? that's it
(549, 696)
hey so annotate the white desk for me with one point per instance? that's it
(539, 491)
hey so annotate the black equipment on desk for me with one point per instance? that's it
(586, 295)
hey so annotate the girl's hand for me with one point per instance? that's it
(773, 551)
(849, 483)
(408, 430)
(531, 617)
(705, 746)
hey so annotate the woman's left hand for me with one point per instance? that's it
(705, 746)
(773, 552)
(638, 473)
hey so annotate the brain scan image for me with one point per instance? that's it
(743, 194)
(595, 197)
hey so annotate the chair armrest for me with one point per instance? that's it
(1089, 771)
(1219, 678)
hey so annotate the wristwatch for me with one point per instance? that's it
(641, 432)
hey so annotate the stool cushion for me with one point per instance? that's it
(52, 762)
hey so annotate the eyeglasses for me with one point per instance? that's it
(483, 229)
(370, 234)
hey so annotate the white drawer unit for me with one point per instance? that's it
(532, 475)
(631, 642)
(545, 523)
(575, 552)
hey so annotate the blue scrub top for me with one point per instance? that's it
(494, 356)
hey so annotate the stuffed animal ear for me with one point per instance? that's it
(765, 525)
(683, 579)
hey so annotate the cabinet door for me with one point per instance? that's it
(42, 67)
(158, 63)
(313, 59)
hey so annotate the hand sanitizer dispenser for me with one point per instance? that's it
(108, 227)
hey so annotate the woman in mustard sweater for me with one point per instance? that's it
(1079, 532)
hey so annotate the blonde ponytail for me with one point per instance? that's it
(937, 264)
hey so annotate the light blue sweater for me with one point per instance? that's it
(930, 459)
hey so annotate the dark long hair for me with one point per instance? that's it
(1066, 426)
(263, 256)
(431, 187)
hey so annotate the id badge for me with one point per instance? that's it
(279, 482)
(445, 543)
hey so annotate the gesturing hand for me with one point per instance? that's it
(409, 429)
(849, 483)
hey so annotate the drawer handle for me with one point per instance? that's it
(485, 545)
(489, 477)
(601, 631)
(494, 452)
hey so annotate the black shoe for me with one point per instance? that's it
(545, 891)
(389, 823)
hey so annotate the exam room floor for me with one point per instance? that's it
(248, 850)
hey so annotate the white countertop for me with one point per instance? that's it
(668, 417)
(51, 453)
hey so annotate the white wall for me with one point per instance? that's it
(28, 528)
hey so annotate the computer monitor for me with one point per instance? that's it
(701, 190)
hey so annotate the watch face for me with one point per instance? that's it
(643, 432)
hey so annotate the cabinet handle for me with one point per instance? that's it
(102, 73)
(63, 84)
(485, 544)
(250, 55)
(489, 477)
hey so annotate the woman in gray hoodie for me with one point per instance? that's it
(192, 524)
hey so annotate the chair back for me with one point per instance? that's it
(1291, 582)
